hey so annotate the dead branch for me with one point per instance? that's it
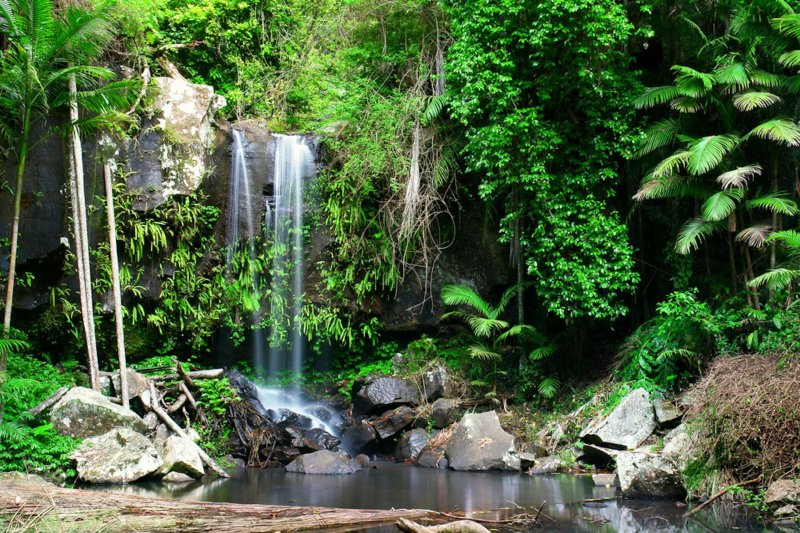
(49, 402)
(720, 494)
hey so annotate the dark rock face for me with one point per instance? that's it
(312, 439)
(285, 418)
(378, 395)
(324, 462)
(435, 383)
(394, 421)
(411, 444)
(433, 457)
(627, 426)
(359, 437)
(246, 391)
(443, 412)
(479, 443)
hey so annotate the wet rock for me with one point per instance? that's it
(668, 415)
(605, 480)
(479, 443)
(537, 450)
(118, 456)
(649, 475)
(83, 412)
(627, 426)
(598, 455)
(435, 383)
(177, 477)
(394, 421)
(312, 439)
(246, 391)
(433, 457)
(443, 412)
(180, 455)
(411, 444)
(323, 462)
(527, 460)
(379, 394)
(150, 421)
(545, 465)
(782, 493)
(284, 418)
(358, 437)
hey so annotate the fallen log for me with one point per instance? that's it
(30, 503)
(48, 402)
(194, 374)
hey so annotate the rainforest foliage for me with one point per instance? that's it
(636, 161)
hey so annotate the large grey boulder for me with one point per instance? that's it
(668, 414)
(433, 457)
(443, 412)
(782, 493)
(85, 413)
(649, 475)
(545, 465)
(627, 426)
(380, 394)
(411, 444)
(324, 462)
(119, 456)
(180, 455)
(479, 443)
(679, 446)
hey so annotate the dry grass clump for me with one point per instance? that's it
(747, 409)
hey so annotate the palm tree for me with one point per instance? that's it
(492, 333)
(46, 54)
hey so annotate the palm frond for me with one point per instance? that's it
(775, 279)
(669, 187)
(788, 237)
(483, 352)
(505, 299)
(672, 164)
(708, 152)
(658, 135)
(486, 327)
(780, 130)
(765, 79)
(691, 82)
(734, 75)
(518, 330)
(739, 176)
(463, 295)
(433, 109)
(775, 202)
(749, 100)
(790, 59)
(719, 206)
(549, 386)
(542, 352)
(686, 105)
(654, 96)
(787, 25)
(791, 85)
(754, 236)
(694, 232)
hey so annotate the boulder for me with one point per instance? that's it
(379, 394)
(151, 421)
(394, 421)
(527, 460)
(782, 493)
(137, 383)
(649, 475)
(479, 443)
(324, 462)
(668, 415)
(285, 418)
(433, 457)
(627, 426)
(545, 465)
(358, 437)
(598, 455)
(180, 455)
(176, 477)
(435, 383)
(411, 444)
(679, 446)
(311, 439)
(443, 412)
(83, 412)
(118, 456)
(246, 391)
(537, 450)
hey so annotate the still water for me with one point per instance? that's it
(572, 501)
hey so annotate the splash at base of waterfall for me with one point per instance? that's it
(284, 402)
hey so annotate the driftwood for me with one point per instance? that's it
(720, 494)
(195, 374)
(28, 503)
(49, 402)
(179, 431)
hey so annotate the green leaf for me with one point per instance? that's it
(708, 152)
(790, 59)
(749, 100)
(483, 352)
(549, 386)
(659, 135)
(775, 203)
(780, 130)
(542, 352)
(694, 232)
(754, 236)
(719, 206)
(778, 278)
(691, 82)
(672, 165)
(669, 187)
(654, 96)
(686, 104)
(765, 79)
(733, 75)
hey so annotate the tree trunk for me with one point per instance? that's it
(118, 318)
(82, 242)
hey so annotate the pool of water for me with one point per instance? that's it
(572, 501)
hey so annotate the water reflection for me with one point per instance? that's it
(572, 501)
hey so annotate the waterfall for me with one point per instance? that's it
(293, 164)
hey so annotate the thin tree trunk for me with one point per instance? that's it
(732, 261)
(112, 243)
(84, 274)
(750, 277)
